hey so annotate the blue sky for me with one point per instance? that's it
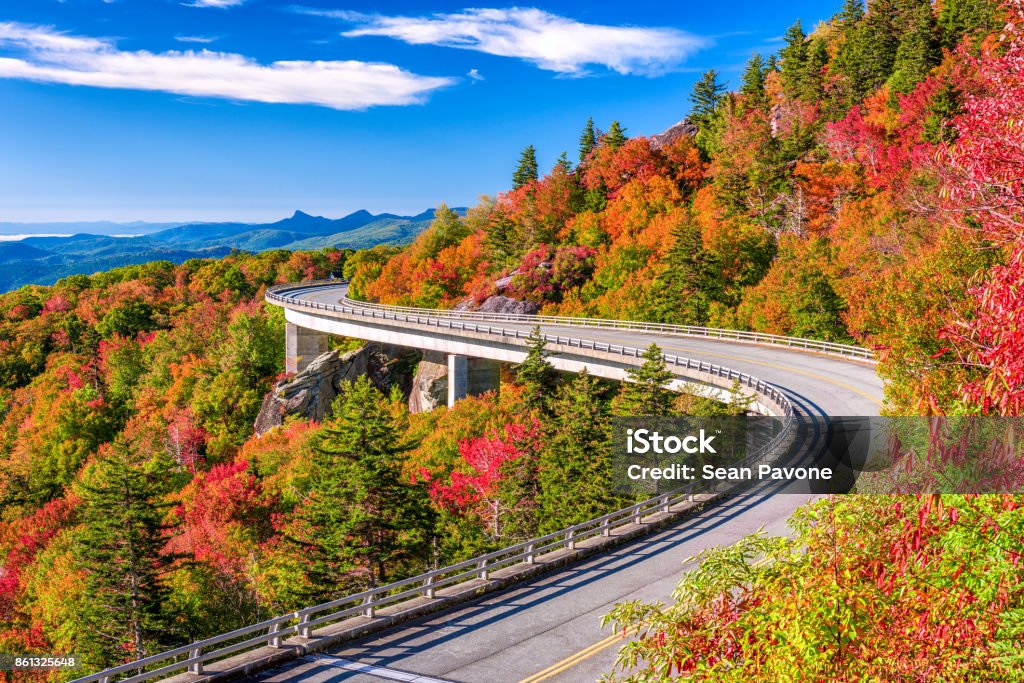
(167, 110)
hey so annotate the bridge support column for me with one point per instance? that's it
(301, 346)
(471, 377)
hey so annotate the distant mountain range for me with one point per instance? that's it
(62, 249)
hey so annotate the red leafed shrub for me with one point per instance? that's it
(477, 491)
(988, 187)
(546, 273)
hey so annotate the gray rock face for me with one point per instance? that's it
(673, 133)
(311, 392)
(504, 304)
(430, 383)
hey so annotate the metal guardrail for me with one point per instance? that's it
(271, 632)
(278, 296)
(848, 351)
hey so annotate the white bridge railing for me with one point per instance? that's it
(831, 348)
(303, 623)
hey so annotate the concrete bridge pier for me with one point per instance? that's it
(471, 377)
(301, 346)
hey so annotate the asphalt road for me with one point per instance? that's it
(548, 624)
(549, 628)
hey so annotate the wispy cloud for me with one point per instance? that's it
(220, 4)
(475, 75)
(195, 39)
(551, 42)
(46, 55)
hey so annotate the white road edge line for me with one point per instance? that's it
(373, 670)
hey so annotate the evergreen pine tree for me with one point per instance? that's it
(575, 460)
(705, 96)
(753, 80)
(535, 372)
(918, 49)
(645, 393)
(119, 552)
(813, 81)
(852, 13)
(588, 140)
(563, 164)
(360, 519)
(616, 136)
(690, 281)
(794, 58)
(500, 238)
(526, 172)
(960, 18)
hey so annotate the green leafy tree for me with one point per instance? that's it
(127, 320)
(588, 140)
(574, 462)
(119, 550)
(645, 392)
(526, 172)
(361, 521)
(446, 230)
(535, 372)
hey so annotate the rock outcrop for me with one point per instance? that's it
(430, 383)
(311, 392)
(673, 133)
(504, 304)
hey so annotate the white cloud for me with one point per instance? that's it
(475, 75)
(552, 42)
(195, 39)
(46, 55)
(220, 4)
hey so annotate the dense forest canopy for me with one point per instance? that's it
(861, 185)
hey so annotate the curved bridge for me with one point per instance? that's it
(508, 616)
(785, 374)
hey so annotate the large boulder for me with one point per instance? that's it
(430, 383)
(311, 392)
(504, 304)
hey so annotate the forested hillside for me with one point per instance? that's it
(853, 187)
(138, 510)
(863, 184)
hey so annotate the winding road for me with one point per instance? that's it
(548, 628)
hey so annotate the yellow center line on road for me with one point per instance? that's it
(588, 652)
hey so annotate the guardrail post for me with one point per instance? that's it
(428, 586)
(571, 540)
(606, 528)
(483, 573)
(275, 640)
(530, 557)
(636, 516)
(304, 630)
(368, 606)
(197, 666)
(665, 507)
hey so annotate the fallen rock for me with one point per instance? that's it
(311, 392)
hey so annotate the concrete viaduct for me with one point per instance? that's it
(530, 612)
